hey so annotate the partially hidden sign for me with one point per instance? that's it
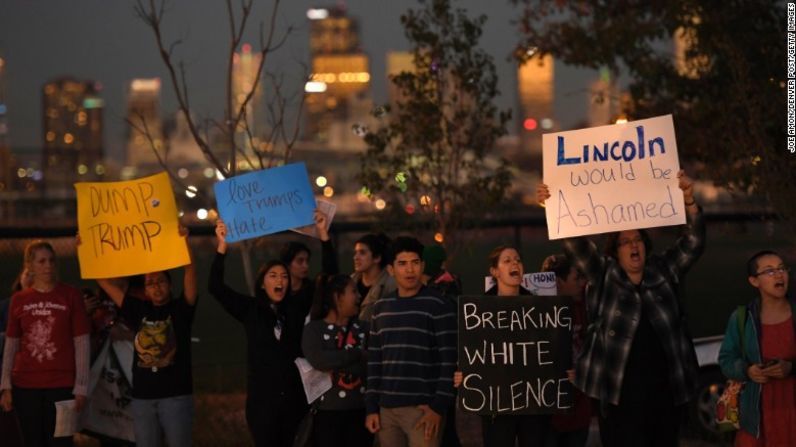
(128, 228)
(265, 202)
(612, 178)
(514, 353)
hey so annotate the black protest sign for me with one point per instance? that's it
(514, 353)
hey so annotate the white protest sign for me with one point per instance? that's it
(327, 208)
(540, 283)
(612, 178)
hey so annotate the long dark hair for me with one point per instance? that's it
(259, 292)
(327, 287)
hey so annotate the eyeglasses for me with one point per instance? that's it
(772, 272)
(157, 283)
(635, 240)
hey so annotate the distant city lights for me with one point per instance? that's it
(344, 77)
(182, 173)
(317, 13)
(380, 204)
(328, 191)
(82, 169)
(201, 213)
(190, 192)
(209, 172)
(529, 124)
(547, 124)
(315, 87)
(320, 181)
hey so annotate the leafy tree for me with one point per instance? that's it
(430, 155)
(726, 90)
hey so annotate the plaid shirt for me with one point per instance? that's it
(614, 305)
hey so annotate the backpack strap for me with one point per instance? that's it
(740, 315)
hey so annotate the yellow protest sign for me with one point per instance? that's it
(128, 228)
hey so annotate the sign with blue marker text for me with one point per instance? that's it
(265, 202)
(612, 178)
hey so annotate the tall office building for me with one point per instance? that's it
(6, 168)
(73, 149)
(143, 110)
(340, 84)
(604, 101)
(535, 80)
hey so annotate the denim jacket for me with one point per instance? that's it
(734, 363)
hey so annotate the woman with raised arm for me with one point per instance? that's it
(296, 256)
(46, 354)
(638, 359)
(162, 378)
(275, 400)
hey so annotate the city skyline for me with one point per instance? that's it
(107, 43)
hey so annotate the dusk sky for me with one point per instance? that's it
(104, 41)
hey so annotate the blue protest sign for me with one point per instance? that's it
(265, 202)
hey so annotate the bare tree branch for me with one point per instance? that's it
(143, 129)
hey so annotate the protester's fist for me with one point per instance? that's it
(321, 222)
(687, 185)
(221, 236)
(542, 193)
(372, 423)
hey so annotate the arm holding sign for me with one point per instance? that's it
(691, 243)
(189, 278)
(329, 263)
(236, 304)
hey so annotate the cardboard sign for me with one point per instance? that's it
(612, 178)
(128, 228)
(514, 353)
(265, 202)
(540, 283)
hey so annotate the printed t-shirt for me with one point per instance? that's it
(46, 324)
(162, 365)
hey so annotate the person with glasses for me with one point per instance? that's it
(162, 377)
(638, 359)
(275, 399)
(763, 360)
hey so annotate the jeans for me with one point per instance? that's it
(174, 415)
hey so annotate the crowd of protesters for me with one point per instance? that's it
(386, 334)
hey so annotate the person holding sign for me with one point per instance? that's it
(638, 358)
(162, 378)
(296, 256)
(508, 430)
(333, 342)
(46, 353)
(760, 353)
(275, 399)
(411, 356)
